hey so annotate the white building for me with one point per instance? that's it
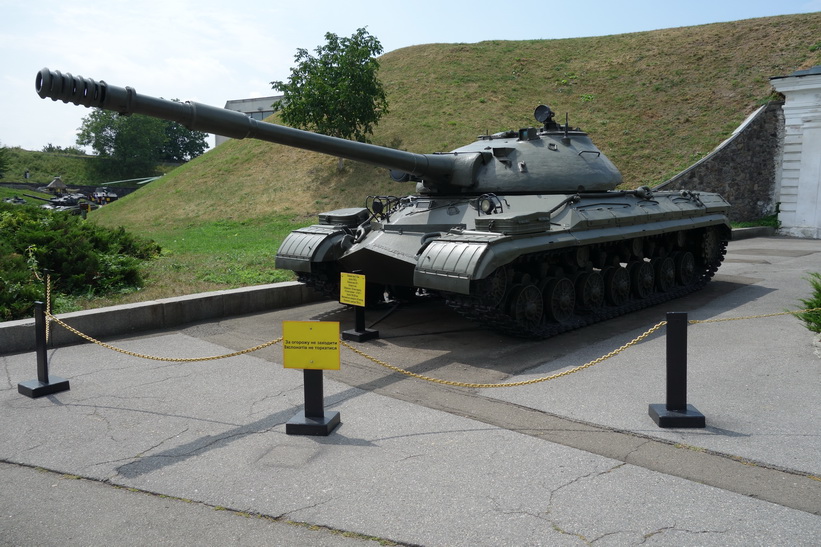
(799, 187)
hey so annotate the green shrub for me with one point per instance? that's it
(812, 319)
(83, 258)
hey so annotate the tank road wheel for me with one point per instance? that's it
(642, 279)
(637, 247)
(590, 291)
(616, 285)
(492, 289)
(559, 299)
(685, 268)
(665, 274)
(526, 305)
(582, 257)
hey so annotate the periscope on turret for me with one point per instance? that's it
(523, 230)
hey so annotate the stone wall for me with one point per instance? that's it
(743, 169)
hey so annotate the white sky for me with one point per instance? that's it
(211, 51)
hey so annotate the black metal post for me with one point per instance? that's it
(676, 361)
(676, 412)
(360, 319)
(45, 384)
(314, 403)
(360, 333)
(313, 420)
(40, 326)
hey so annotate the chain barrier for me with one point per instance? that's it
(762, 316)
(155, 358)
(633, 342)
(601, 359)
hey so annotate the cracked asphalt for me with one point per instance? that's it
(142, 451)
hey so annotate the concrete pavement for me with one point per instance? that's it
(145, 451)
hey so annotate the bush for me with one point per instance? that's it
(83, 258)
(813, 319)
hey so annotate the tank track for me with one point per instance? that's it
(321, 284)
(496, 319)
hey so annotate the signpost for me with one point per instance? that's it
(312, 346)
(352, 292)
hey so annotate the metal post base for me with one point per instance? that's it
(36, 388)
(312, 425)
(689, 417)
(360, 336)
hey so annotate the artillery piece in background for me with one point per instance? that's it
(523, 231)
(67, 202)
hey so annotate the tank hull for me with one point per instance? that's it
(532, 265)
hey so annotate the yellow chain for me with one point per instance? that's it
(48, 306)
(651, 330)
(632, 342)
(697, 321)
(154, 358)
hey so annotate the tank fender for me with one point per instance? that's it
(317, 243)
(449, 265)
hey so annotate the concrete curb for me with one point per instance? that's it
(755, 231)
(18, 336)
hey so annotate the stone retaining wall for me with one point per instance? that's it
(743, 169)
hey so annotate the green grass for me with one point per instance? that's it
(771, 220)
(209, 256)
(229, 252)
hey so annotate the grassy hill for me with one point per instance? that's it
(654, 102)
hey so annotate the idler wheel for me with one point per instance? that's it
(559, 299)
(642, 279)
(616, 285)
(685, 267)
(665, 273)
(526, 305)
(590, 290)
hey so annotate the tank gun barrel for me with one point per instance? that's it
(200, 117)
(37, 197)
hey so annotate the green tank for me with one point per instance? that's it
(523, 231)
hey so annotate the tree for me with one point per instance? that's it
(138, 143)
(4, 160)
(337, 92)
(182, 144)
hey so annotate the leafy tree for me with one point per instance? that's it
(137, 143)
(5, 160)
(181, 143)
(337, 92)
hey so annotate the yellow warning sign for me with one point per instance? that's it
(352, 289)
(310, 344)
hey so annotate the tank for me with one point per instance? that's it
(66, 202)
(523, 231)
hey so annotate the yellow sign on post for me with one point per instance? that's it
(310, 345)
(352, 289)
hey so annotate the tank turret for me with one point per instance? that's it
(520, 230)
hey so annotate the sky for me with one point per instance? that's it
(211, 51)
